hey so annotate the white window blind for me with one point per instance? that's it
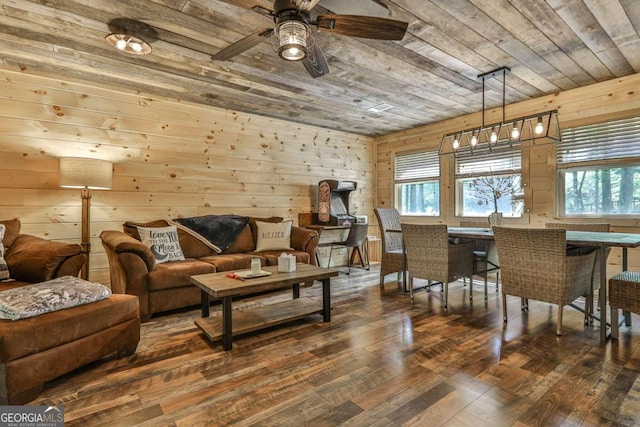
(489, 163)
(417, 166)
(602, 141)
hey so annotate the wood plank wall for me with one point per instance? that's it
(170, 159)
(617, 98)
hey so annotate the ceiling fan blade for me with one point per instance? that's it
(243, 44)
(253, 4)
(357, 7)
(368, 27)
(316, 63)
(306, 5)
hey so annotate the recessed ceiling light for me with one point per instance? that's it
(380, 108)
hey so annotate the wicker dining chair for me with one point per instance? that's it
(392, 260)
(431, 256)
(605, 227)
(484, 256)
(535, 265)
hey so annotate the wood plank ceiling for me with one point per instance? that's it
(550, 46)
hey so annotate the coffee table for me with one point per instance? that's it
(220, 286)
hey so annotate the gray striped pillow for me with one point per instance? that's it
(4, 270)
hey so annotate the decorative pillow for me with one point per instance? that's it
(4, 270)
(34, 260)
(163, 242)
(57, 294)
(191, 247)
(11, 232)
(273, 236)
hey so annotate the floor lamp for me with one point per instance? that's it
(86, 174)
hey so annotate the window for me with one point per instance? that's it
(417, 183)
(489, 182)
(599, 169)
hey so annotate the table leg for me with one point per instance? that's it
(227, 330)
(326, 300)
(296, 291)
(603, 293)
(625, 313)
(204, 304)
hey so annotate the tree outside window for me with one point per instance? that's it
(484, 195)
(614, 190)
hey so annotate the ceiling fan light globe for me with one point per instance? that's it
(292, 52)
(292, 40)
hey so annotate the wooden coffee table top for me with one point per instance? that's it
(219, 285)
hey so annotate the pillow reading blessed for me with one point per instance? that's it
(4, 270)
(273, 236)
(163, 243)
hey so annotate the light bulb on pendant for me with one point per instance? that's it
(515, 133)
(494, 136)
(474, 140)
(456, 143)
(539, 127)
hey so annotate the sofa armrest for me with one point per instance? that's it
(130, 262)
(119, 242)
(33, 259)
(306, 240)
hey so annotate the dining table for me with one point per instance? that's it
(597, 239)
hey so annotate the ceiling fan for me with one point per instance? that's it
(294, 40)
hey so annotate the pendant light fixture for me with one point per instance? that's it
(504, 134)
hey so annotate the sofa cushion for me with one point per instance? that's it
(273, 236)
(4, 269)
(12, 230)
(231, 262)
(32, 259)
(53, 295)
(272, 256)
(40, 333)
(244, 242)
(177, 274)
(163, 243)
(191, 247)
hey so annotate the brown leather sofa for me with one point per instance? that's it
(167, 286)
(40, 348)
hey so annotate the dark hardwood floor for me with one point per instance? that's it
(380, 362)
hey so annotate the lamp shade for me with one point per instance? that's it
(78, 172)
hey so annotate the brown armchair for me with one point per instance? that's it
(535, 265)
(31, 259)
(37, 349)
